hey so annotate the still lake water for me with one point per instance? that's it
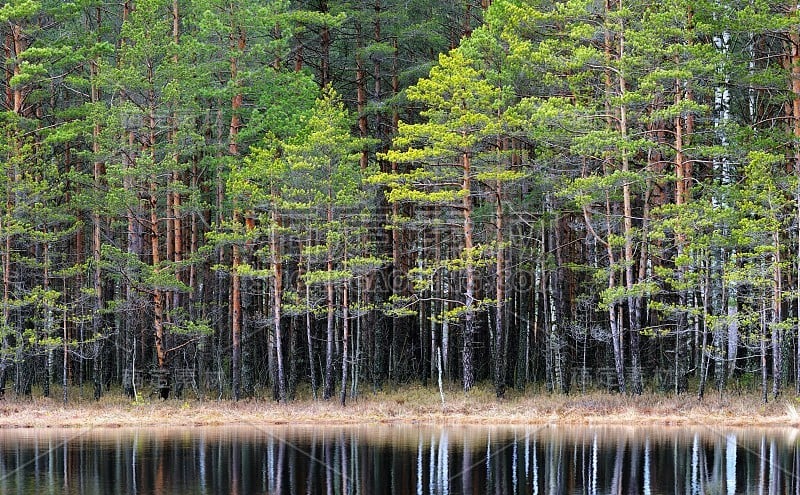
(400, 460)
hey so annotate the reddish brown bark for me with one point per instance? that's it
(238, 42)
(794, 61)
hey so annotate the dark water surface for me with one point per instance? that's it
(400, 460)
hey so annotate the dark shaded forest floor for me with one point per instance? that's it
(408, 404)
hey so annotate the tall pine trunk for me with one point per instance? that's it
(277, 299)
(345, 340)
(98, 171)
(627, 213)
(500, 329)
(158, 295)
(303, 267)
(776, 317)
(468, 360)
(794, 64)
(236, 318)
(613, 309)
(327, 392)
(238, 42)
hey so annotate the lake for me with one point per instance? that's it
(405, 459)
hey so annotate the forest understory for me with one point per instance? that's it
(408, 405)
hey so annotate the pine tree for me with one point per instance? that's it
(460, 125)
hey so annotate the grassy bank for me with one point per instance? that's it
(407, 405)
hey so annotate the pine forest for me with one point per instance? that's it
(267, 198)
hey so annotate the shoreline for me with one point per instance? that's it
(408, 405)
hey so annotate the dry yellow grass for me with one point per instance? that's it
(407, 405)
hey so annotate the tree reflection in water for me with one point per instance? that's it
(401, 460)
